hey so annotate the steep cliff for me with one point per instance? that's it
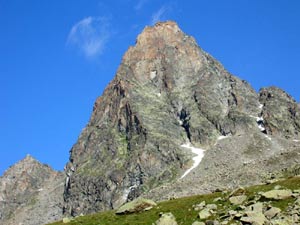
(168, 92)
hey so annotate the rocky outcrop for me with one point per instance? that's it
(135, 206)
(30, 193)
(168, 92)
(281, 113)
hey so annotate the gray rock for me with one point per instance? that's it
(137, 205)
(232, 212)
(166, 219)
(204, 214)
(254, 218)
(66, 220)
(256, 207)
(199, 206)
(237, 200)
(272, 212)
(278, 194)
(211, 206)
(237, 192)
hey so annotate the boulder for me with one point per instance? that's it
(137, 205)
(254, 218)
(256, 207)
(66, 220)
(199, 206)
(237, 192)
(211, 206)
(237, 200)
(204, 214)
(166, 219)
(278, 194)
(272, 212)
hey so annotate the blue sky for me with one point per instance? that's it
(57, 56)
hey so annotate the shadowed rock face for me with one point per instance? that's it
(281, 112)
(30, 193)
(166, 92)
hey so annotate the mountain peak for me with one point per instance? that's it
(29, 158)
(167, 92)
(160, 33)
(30, 188)
(162, 43)
(27, 162)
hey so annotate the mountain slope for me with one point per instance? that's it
(30, 193)
(168, 92)
(186, 210)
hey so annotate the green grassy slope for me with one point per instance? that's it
(183, 210)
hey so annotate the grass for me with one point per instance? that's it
(182, 208)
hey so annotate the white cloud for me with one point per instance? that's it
(140, 4)
(160, 14)
(90, 35)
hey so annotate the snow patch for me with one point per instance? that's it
(296, 140)
(180, 122)
(260, 122)
(197, 159)
(268, 137)
(127, 191)
(67, 180)
(261, 106)
(153, 74)
(222, 137)
(261, 127)
(158, 94)
(41, 189)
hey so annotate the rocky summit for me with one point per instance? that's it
(30, 193)
(173, 122)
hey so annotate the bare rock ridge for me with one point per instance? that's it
(30, 193)
(167, 92)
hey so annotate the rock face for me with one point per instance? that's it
(168, 92)
(135, 206)
(281, 112)
(30, 193)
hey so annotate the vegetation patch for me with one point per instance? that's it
(187, 210)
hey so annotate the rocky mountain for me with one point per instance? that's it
(168, 92)
(30, 193)
(173, 122)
